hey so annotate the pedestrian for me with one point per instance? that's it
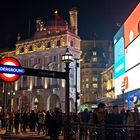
(25, 121)
(114, 123)
(41, 122)
(47, 122)
(136, 116)
(53, 129)
(100, 120)
(85, 117)
(16, 121)
(32, 121)
(129, 122)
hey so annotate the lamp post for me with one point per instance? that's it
(11, 94)
(67, 58)
(76, 95)
(3, 104)
(123, 89)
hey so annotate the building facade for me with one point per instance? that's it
(107, 86)
(44, 51)
(97, 55)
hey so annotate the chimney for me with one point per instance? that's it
(39, 25)
(18, 37)
(73, 20)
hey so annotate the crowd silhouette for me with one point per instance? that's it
(51, 123)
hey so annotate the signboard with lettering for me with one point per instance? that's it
(10, 70)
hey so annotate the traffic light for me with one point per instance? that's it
(77, 95)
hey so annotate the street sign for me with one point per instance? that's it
(44, 73)
(31, 72)
(10, 71)
(7, 73)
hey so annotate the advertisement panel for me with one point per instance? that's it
(118, 35)
(119, 65)
(134, 99)
(132, 26)
(131, 80)
(132, 54)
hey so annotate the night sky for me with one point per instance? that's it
(97, 19)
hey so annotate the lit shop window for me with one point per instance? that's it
(94, 79)
(87, 85)
(95, 85)
(94, 59)
(87, 79)
(94, 53)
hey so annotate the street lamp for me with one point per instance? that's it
(76, 94)
(67, 58)
(11, 94)
(123, 89)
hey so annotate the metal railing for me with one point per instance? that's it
(85, 131)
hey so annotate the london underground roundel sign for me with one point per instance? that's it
(12, 62)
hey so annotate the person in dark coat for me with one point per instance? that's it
(114, 118)
(32, 121)
(16, 121)
(113, 123)
(53, 129)
(47, 122)
(25, 121)
(85, 116)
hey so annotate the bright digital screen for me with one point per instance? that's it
(133, 98)
(119, 65)
(132, 26)
(131, 80)
(127, 54)
(119, 50)
(132, 54)
(119, 35)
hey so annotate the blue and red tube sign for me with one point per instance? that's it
(9, 73)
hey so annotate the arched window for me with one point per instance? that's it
(39, 45)
(30, 48)
(58, 43)
(49, 45)
(22, 50)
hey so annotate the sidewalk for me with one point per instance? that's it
(27, 135)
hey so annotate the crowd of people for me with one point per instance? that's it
(46, 122)
(113, 118)
(51, 122)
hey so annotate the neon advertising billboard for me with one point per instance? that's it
(127, 54)
(131, 80)
(119, 65)
(132, 54)
(132, 26)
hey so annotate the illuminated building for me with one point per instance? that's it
(44, 51)
(107, 86)
(97, 55)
